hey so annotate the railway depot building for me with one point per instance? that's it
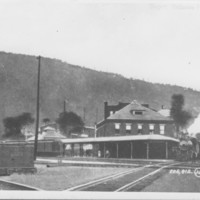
(134, 119)
(129, 130)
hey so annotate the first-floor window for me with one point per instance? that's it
(128, 128)
(151, 128)
(162, 129)
(117, 128)
(111, 112)
(139, 128)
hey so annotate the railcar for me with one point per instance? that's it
(50, 148)
(16, 156)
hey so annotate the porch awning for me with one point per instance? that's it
(120, 138)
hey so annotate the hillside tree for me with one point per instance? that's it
(14, 125)
(69, 122)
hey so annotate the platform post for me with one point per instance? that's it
(72, 154)
(104, 149)
(80, 150)
(117, 147)
(147, 150)
(166, 150)
(131, 150)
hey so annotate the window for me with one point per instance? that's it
(139, 128)
(162, 129)
(117, 127)
(151, 128)
(128, 128)
(138, 112)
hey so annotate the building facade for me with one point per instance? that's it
(134, 119)
(128, 131)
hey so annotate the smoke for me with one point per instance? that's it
(195, 127)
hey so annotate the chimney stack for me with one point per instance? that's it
(105, 109)
(145, 105)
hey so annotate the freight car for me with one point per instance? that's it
(16, 157)
(50, 148)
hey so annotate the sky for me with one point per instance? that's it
(156, 41)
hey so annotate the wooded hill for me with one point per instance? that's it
(84, 89)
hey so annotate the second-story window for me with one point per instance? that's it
(139, 127)
(162, 129)
(117, 128)
(151, 128)
(128, 128)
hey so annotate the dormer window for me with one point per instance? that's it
(138, 112)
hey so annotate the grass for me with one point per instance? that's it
(175, 183)
(62, 177)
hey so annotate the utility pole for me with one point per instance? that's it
(96, 118)
(84, 111)
(95, 125)
(65, 101)
(64, 106)
(37, 109)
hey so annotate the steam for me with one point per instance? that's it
(195, 127)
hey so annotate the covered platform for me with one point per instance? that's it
(128, 147)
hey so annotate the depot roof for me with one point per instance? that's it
(135, 111)
(120, 138)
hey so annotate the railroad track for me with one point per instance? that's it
(8, 185)
(105, 179)
(140, 183)
(130, 180)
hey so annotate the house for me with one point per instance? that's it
(134, 119)
(48, 133)
(52, 125)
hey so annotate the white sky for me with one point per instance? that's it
(154, 41)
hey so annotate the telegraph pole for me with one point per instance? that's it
(37, 109)
(95, 125)
(65, 102)
(84, 111)
(64, 106)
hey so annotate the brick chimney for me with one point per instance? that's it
(145, 105)
(106, 110)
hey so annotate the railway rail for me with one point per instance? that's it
(130, 180)
(8, 185)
